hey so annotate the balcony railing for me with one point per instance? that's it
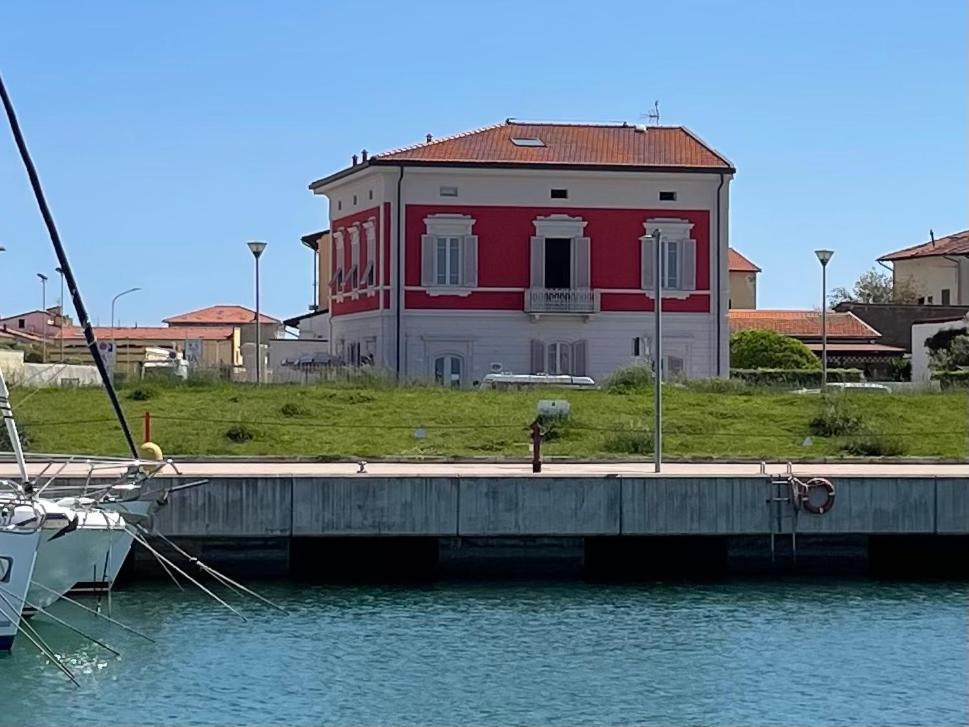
(561, 300)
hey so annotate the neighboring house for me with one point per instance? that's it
(220, 346)
(743, 280)
(314, 326)
(319, 243)
(894, 320)
(220, 316)
(939, 269)
(35, 321)
(525, 247)
(852, 343)
(921, 330)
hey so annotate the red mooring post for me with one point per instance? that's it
(536, 446)
(147, 426)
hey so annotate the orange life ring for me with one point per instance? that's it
(829, 493)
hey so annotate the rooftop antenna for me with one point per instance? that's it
(932, 236)
(652, 118)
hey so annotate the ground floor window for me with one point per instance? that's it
(449, 370)
(558, 358)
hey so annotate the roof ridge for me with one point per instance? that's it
(433, 141)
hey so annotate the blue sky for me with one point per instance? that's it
(168, 134)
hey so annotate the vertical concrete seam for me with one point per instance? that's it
(622, 498)
(292, 505)
(935, 505)
(457, 503)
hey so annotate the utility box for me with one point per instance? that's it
(553, 410)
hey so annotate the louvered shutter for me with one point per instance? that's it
(688, 266)
(580, 350)
(538, 357)
(647, 263)
(470, 261)
(427, 260)
(580, 254)
(538, 262)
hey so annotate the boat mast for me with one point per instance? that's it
(55, 238)
(7, 413)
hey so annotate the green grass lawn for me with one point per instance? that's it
(334, 421)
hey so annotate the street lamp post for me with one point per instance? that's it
(43, 297)
(114, 347)
(257, 248)
(824, 256)
(2, 249)
(60, 271)
(657, 236)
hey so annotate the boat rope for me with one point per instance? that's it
(33, 637)
(62, 622)
(91, 611)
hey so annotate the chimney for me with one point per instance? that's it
(354, 160)
(363, 155)
(429, 138)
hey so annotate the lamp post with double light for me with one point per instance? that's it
(257, 248)
(657, 236)
(43, 305)
(114, 347)
(824, 257)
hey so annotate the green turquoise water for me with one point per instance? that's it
(793, 653)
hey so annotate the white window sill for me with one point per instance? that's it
(458, 290)
(674, 294)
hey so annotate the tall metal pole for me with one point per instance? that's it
(658, 352)
(824, 327)
(257, 248)
(258, 331)
(43, 305)
(114, 347)
(61, 271)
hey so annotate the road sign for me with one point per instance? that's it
(106, 349)
(193, 351)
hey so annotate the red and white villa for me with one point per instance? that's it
(526, 248)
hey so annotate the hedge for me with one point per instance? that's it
(794, 377)
(952, 379)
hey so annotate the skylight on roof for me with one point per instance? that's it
(527, 141)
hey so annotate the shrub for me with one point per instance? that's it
(33, 357)
(717, 386)
(240, 433)
(834, 420)
(874, 444)
(630, 379)
(793, 377)
(952, 379)
(629, 440)
(767, 349)
(293, 409)
(142, 393)
(5, 444)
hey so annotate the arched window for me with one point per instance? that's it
(449, 370)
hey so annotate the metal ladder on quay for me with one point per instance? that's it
(782, 490)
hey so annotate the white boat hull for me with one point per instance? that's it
(78, 556)
(18, 553)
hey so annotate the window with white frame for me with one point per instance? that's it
(370, 235)
(558, 358)
(449, 370)
(337, 279)
(449, 252)
(679, 263)
(353, 274)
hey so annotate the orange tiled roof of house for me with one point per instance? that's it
(737, 263)
(226, 315)
(955, 244)
(801, 323)
(153, 333)
(558, 145)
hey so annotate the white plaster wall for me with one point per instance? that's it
(921, 371)
(931, 275)
(743, 290)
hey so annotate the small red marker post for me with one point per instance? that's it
(147, 426)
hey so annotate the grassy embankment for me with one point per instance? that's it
(334, 421)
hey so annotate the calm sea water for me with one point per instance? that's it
(489, 654)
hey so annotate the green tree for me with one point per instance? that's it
(769, 350)
(877, 287)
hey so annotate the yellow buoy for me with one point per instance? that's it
(150, 450)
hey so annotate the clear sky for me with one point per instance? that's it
(169, 133)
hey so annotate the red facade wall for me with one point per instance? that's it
(503, 254)
(364, 302)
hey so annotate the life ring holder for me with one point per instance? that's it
(805, 495)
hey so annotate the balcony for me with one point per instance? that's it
(582, 301)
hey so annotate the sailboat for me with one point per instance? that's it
(21, 525)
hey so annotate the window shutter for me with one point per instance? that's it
(688, 265)
(579, 353)
(580, 254)
(538, 262)
(649, 253)
(427, 260)
(538, 357)
(371, 248)
(471, 261)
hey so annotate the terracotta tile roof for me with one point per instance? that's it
(857, 348)
(737, 263)
(153, 333)
(226, 315)
(563, 145)
(955, 244)
(801, 323)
